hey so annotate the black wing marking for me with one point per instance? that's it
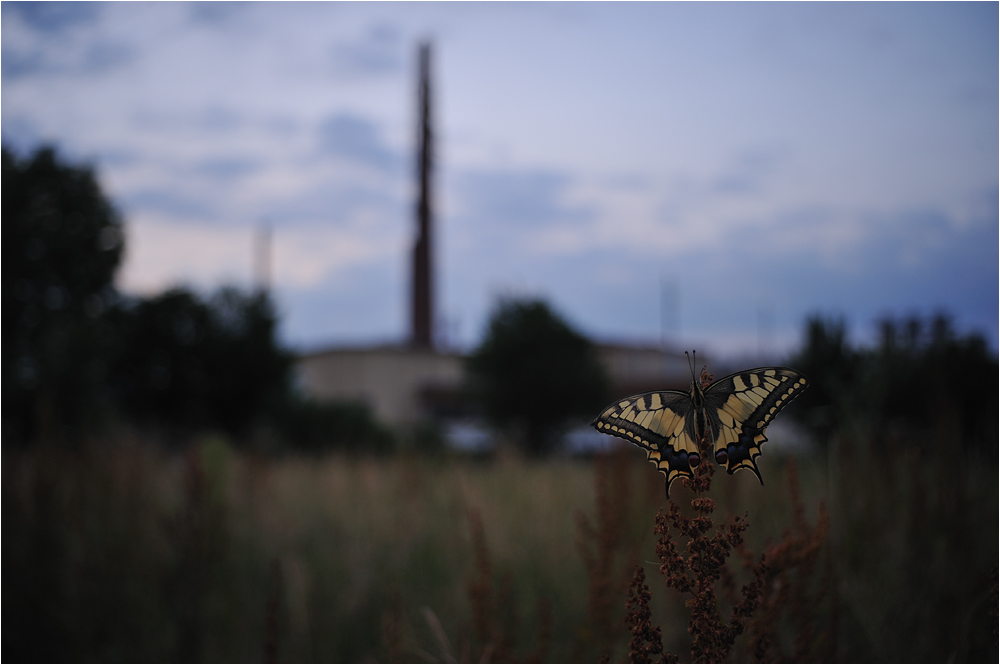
(660, 422)
(740, 407)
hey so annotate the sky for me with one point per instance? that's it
(708, 174)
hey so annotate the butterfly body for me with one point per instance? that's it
(731, 414)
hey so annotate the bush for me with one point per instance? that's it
(317, 426)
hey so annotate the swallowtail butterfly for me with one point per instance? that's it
(733, 412)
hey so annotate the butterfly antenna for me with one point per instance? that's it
(692, 362)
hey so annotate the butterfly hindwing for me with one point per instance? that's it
(740, 406)
(660, 422)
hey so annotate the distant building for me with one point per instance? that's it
(638, 368)
(403, 385)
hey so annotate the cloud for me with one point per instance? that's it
(91, 59)
(162, 252)
(356, 139)
(527, 210)
(58, 39)
(747, 176)
(52, 17)
(361, 304)
(74, 59)
(227, 167)
(17, 64)
(218, 118)
(21, 134)
(179, 205)
(307, 256)
(380, 51)
(325, 197)
(211, 120)
(216, 13)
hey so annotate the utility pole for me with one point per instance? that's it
(262, 257)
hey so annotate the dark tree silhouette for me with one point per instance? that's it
(187, 364)
(77, 354)
(831, 366)
(920, 381)
(533, 372)
(62, 245)
(924, 380)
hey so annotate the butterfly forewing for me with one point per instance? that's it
(740, 407)
(661, 422)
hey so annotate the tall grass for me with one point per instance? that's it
(124, 552)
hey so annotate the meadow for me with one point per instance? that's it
(123, 551)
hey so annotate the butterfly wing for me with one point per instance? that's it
(740, 407)
(660, 422)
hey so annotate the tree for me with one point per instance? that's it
(188, 364)
(832, 368)
(924, 380)
(921, 380)
(63, 243)
(533, 373)
(77, 354)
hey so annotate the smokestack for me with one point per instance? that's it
(423, 302)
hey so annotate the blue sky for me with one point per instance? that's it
(748, 163)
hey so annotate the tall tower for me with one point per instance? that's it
(422, 334)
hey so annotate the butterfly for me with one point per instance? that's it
(732, 412)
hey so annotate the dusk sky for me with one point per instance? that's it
(746, 164)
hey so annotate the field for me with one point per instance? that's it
(124, 552)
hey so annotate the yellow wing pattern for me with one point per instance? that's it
(662, 423)
(740, 406)
(734, 413)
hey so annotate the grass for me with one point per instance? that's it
(125, 552)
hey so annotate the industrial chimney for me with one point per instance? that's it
(423, 291)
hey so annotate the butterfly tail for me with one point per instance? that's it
(748, 463)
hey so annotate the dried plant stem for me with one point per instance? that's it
(646, 644)
(494, 615)
(480, 588)
(271, 612)
(707, 549)
(788, 588)
(606, 551)
(544, 631)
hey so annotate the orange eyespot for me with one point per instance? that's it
(722, 456)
